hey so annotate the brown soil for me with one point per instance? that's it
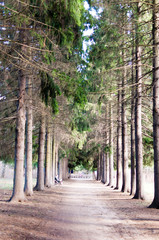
(78, 210)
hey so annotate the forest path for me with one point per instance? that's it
(78, 210)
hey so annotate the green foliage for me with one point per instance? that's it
(49, 91)
(107, 149)
(148, 153)
(84, 158)
(80, 96)
(8, 160)
(35, 147)
(63, 17)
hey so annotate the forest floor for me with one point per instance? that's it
(78, 210)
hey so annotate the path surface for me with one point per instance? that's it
(78, 210)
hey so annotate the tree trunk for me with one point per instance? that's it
(98, 168)
(56, 160)
(41, 156)
(107, 146)
(124, 137)
(132, 190)
(28, 168)
(3, 170)
(119, 144)
(48, 158)
(53, 160)
(111, 162)
(101, 166)
(18, 187)
(104, 167)
(138, 117)
(155, 203)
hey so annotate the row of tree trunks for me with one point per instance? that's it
(136, 131)
(105, 163)
(49, 159)
(136, 127)
(25, 118)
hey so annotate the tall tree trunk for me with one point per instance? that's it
(56, 160)
(98, 168)
(138, 117)
(65, 169)
(41, 156)
(18, 187)
(132, 190)
(48, 158)
(111, 162)
(119, 144)
(104, 168)
(155, 203)
(124, 136)
(28, 168)
(101, 166)
(107, 146)
(53, 160)
(3, 170)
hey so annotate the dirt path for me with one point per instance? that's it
(78, 210)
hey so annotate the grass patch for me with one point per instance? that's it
(6, 183)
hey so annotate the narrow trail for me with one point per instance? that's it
(78, 210)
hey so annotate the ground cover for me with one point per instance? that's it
(78, 210)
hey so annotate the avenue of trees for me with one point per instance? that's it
(123, 62)
(62, 107)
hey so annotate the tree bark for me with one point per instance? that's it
(53, 160)
(132, 190)
(119, 143)
(107, 146)
(28, 168)
(111, 161)
(18, 187)
(48, 158)
(98, 168)
(41, 155)
(124, 137)
(104, 167)
(155, 203)
(56, 160)
(101, 166)
(138, 117)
